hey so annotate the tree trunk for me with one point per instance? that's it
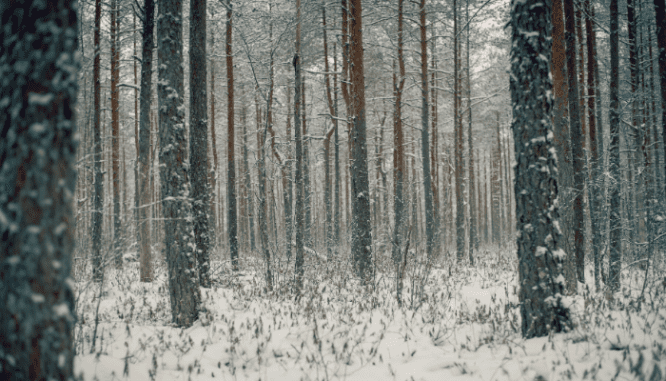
(539, 256)
(457, 118)
(288, 184)
(596, 191)
(473, 228)
(398, 149)
(145, 257)
(115, 135)
(215, 195)
(561, 136)
(577, 139)
(199, 139)
(299, 212)
(98, 203)
(176, 207)
(660, 16)
(327, 146)
(232, 228)
(307, 201)
(38, 151)
(615, 244)
(425, 144)
(361, 227)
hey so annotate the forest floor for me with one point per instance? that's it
(455, 323)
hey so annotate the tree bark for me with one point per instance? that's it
(660, 16)
(232, 228)
(199, 139)
(398, 148)
(176, 208)
(98, 202)
(597, 191)
(577, 139)
(473, 223)
(360, 192)
(38, 154)
(615, 244)
(425, 144)
(457, 118)
(299, 212)
(115, 136)
(539, 255)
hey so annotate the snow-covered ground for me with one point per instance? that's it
(456, 323)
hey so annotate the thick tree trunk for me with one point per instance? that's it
(360, 192)
(596, 191)
(38, 151)
(577, 141)
(176, 208)
(539, 255)
(562, 138)
(232, 228)
(199, 139)
(145, 257)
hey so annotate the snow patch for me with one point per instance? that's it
(40, 99)
(38, 298)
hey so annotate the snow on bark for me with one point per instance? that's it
(176, 207)
(540, 258)
(37, 152)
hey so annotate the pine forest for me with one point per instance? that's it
(333, 190)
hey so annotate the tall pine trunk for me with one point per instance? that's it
(398, 149)
(199, 138)
(232, 228)
(176, 207)
(360, 192)
(425, 144)
(38, 177)
(539, 255)
(457, 120)
(615, 243)
(577, 141)
(145, 257)
(98, 202)
(115, 135)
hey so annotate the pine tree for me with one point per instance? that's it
(539, 255)
(199, 138)
(425, 145)
(361, 240)
(144, 141)
(615, 244)
(176, 207)
(98, 196)
(231, 161)
(39, 70)
(577, 141)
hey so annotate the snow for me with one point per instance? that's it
(40, 99)
(466, 327)
(38, 298)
